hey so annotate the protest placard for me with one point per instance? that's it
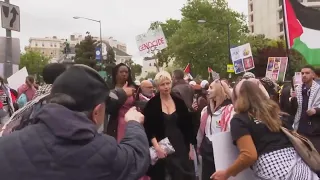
(151, 41)
(242, 58)
(276, 68)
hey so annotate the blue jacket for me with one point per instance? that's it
(65, 145)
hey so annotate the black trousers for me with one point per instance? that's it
(208, 168)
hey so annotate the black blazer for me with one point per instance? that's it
(154, 124)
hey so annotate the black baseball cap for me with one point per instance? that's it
(84, 85)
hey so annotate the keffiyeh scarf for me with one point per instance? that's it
(16, 118)
(314, 101)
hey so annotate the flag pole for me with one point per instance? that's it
(286, 35)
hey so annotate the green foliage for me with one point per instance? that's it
(111, 57)
(169, 28)
(34, 61)
(85, 51)
(150, 75)
(136, 69)
(202, 44)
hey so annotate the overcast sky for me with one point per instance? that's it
(122, 19)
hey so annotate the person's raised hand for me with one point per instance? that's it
(134, 115)
(129, 90)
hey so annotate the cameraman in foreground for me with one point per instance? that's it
(64, 143)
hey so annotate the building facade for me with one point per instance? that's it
(113, 43)
(148, 65)
(120, 56)
(48, 46)
(53, 47)
(266, 16)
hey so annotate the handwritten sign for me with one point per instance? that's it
(151, 41)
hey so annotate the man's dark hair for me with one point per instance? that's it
(317, 71)
(52, 71)
(30, 79)
(178, 74)
(309, 67)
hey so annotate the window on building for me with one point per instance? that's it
(150, 64)
(51, 45)
(36, 44)
(251, 7)
(281, 27)
(55, 45)
(42, 45)
(252, 29)
(280, 14)
(251, 18)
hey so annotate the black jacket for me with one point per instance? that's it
(65, 145)
(154, 123)
(183, 90)
(155, 127)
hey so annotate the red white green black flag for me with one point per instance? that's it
(303, 30)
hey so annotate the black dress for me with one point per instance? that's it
(178, 166)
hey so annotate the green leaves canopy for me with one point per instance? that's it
(85, 51)
(136, 69)
(34, 61)
(202, 44)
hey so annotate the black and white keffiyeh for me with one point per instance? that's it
(314, 101)
(283, 164)
(17, 116)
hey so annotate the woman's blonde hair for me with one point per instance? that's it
(162, 76)
(250, 99)
(220, 89)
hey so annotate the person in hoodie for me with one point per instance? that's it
(64, 144)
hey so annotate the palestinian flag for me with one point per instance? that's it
(187, 71)
(303, 30)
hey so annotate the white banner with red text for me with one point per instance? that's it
(153, 40)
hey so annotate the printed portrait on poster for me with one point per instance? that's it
(248, 63)
(238, 66)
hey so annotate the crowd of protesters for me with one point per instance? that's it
(75, 126)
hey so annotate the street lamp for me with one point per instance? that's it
(98, 21)
(228, 26)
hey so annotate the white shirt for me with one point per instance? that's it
(212, 123)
